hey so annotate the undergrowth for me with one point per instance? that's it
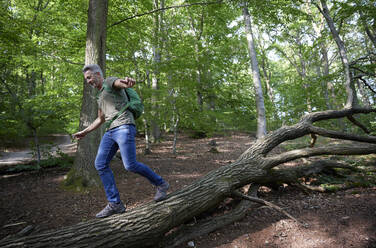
(331, 180)
(61, 161)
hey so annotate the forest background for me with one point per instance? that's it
(191, 63)
(202, 68)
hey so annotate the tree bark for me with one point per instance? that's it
(147, 224)
(261, 116)
(190, 232)
(83, 170)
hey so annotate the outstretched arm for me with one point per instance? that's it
(124, 83)
(96, 123)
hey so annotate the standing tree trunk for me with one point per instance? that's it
(172, 92)
(303, 73)
(83, 171)
(327, 86)
(350, 87)
(31, 79)
(157, 45)
(198, 29)
(324, 71)
(261, 118)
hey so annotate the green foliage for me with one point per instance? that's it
(38, 91)
(203, 53)
(337, 179)
(298, 143)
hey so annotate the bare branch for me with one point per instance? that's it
(291, 174)
(366, 73)
(357, 123)
(362, 59)
(335, 114)
(341, 135)
(367, 84)
(162, 9)
(273, 161)
(304, 127)
(261, 201)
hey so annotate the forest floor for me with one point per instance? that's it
(343, 219)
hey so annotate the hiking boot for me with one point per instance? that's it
(110, 209)
(161, 193)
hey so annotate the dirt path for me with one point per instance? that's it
(345, 219)
(11, 157)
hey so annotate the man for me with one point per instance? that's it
(120, 134)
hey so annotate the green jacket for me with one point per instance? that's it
(111, 100)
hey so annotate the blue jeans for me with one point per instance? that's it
(122, 137)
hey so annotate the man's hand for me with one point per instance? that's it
(79, 135)
(125, 83)
(96, 123)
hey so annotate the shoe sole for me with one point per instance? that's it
(101, 217)
(160, 199)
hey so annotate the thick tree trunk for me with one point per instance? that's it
(83, 171)
(261, 117)
(190, 232)
(147, 224)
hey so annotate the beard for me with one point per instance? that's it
(94, 85)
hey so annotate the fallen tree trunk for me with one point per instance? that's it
(191, 231)
(148, 224)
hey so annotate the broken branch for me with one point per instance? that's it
(261, 201)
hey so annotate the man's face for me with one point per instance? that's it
(94, 79)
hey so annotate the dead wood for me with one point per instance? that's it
(189, 232)
(269, 204)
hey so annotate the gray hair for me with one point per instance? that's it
(93, 68)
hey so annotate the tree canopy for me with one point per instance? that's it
(203, 54)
